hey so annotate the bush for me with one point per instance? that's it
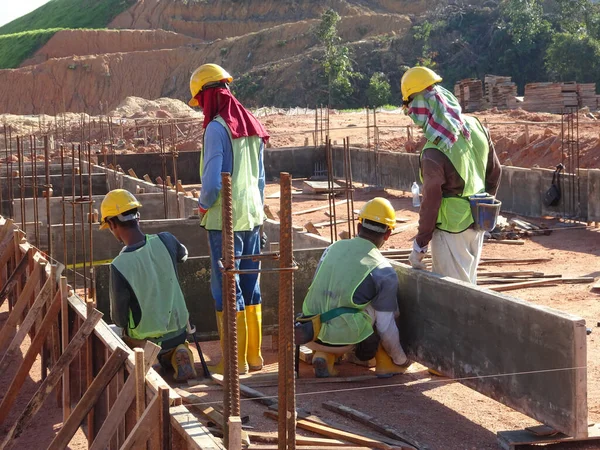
(379, 91)
(15, 48)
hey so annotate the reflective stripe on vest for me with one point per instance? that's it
(344, 267)
(469, 158)
(150, 273)
(247, 202)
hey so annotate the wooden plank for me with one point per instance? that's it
(371, 422)
(163, 418)
(6, 256)
(492, 261)
(143, 429)
(304, 447)
(269, 438)
(89, 399)
(126, 396)
(140, 383)
(6, 228)
(318, 208)
(28, 360)
(327, 431)
(234, 427)
(525, 284)
(523, 437)
(15, 276)
(505, 241)
(209, 412)
(195, 435)
(30, 319)
(53, 378)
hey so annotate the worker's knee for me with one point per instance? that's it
(365, 350)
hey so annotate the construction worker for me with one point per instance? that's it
(457, 161)
(234, 142)
(354, 294)
(145, 297)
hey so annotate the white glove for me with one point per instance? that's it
(416, 260)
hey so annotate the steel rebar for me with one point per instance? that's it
(33, 153)
(48, 187)
(286, 378)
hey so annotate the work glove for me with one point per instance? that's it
(263, 240)
(416, 256)
(201, 212)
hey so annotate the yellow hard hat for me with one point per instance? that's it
(115, 203)
(416, 79)
(206, 73)
(378, 210)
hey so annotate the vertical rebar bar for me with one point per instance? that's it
(330, 189)
(11, 187)
(73, 223)
(368, 131)
(286, 436)
(91, 222)
(161, 140)
(20, 153)
(48, 187)
(351, 186)
(64, 215)
(329, 194)
(83, 240)
(231, 374)
(33, 153)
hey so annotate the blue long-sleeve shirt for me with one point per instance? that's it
(218, 157)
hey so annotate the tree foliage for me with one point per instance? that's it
(337, 61)
(379, 92)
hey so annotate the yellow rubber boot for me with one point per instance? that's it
(242, 343)
(182, 361)
(385, 367)
(254, 321)
(323, 363)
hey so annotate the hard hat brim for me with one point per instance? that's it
(193, 102)
(103, 226)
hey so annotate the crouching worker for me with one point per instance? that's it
(352, 303)
(145, 297)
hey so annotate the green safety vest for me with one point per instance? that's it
(345, 266)
(247, 202)
(150, 273)
(469, 158)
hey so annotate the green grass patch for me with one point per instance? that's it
(68, 14)
(14, 48)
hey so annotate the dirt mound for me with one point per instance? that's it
(162, 108)
(68, 43)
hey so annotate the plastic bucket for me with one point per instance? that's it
(485, 209)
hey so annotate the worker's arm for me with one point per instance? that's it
(122, 300)
(433, 180)
(218, 157)
(176, 249)
(261, 172)
(492, 171)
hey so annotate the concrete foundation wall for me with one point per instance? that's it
(459, 329)
(593, 193)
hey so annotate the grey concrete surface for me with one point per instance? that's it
(99, 185)
(593, 194)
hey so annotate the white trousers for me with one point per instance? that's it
(385, 324)
(457, 255)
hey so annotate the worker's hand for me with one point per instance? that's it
(263, 240)
(201, 212)
(416, 260)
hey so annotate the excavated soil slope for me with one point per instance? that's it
(68, 43)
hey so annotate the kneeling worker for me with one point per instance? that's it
(354, 294)
(145, 297)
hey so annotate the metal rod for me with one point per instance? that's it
(350, 188)
(73, 223)
(64, 217)
(83, 240)
(91, 222)
(20, 153)
(48, 197)
(286, 379)
(33, 152)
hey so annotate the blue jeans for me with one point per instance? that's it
(247, 288)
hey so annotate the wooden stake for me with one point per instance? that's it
(52, 379)
(89, 399)
(164, 419)
(132, 173)
(235, 433)
(126, 396)
(28, 360)
(19, 307)
(140, 383)
(25, 327)
(147, 178)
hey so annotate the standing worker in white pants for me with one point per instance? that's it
(457, 161)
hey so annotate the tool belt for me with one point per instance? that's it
(307, 328)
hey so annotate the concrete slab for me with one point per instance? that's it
(574, 194)
(298, 161)
(525, 356)
(519, 191)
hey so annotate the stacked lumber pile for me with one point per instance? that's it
(587, 95)
(500, 92)
(517, 228)
(469, 93)
(555, 97)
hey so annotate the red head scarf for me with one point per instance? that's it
(220, 101)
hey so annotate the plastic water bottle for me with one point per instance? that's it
(416, 199)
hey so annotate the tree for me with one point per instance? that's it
(574, 57)
(337, 62)
(379, 91)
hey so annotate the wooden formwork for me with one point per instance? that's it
(101, 384)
